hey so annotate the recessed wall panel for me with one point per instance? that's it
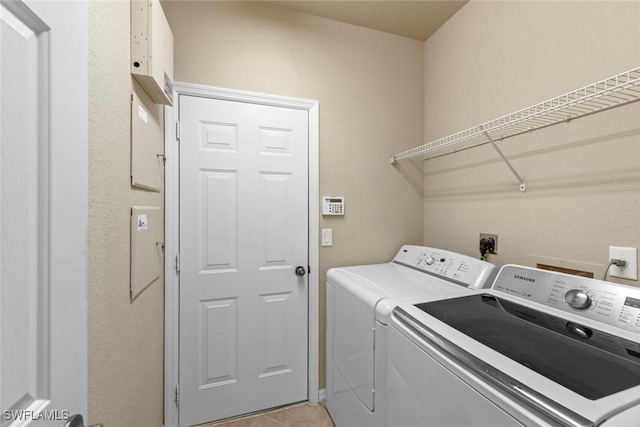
(218, 342)
(276, 346)
(219, 232)
(147, 138)
(275, 233)
(147, 228)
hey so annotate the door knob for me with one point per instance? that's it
(300, 271)
(75, 421)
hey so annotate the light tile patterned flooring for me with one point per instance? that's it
(302, 415)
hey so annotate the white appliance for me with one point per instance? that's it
(537, 349)
(359, 301)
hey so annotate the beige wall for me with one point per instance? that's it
(125, 338)
(583, 192)
(490, 59)
(369, 86)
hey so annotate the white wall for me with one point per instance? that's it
(583, 179)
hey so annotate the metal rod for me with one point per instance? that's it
(520, 180)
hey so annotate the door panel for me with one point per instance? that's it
(24, 266)
(219, 221)
(243, 230)
(274, 241)
(219, 342)
(43, 215)
(273, 310)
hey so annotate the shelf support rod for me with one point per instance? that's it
(523, 186)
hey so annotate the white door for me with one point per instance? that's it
(43, 212)
(243, 233)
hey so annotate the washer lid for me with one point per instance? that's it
(590, 362)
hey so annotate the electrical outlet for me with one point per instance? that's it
(489, 242)
(628, 254)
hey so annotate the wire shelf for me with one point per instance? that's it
(613, 92)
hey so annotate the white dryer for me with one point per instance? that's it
(359, 302)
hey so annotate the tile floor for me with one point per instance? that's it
(302, 415)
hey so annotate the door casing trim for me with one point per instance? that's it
(171, 364)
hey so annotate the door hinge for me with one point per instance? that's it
(308, 269)
(178, 130)
(177, 394)
(178, 262)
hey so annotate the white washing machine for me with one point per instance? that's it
(537, 349)
(359, 302)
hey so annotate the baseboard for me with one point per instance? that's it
(322, 396)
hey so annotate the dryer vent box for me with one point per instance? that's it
(152, 50)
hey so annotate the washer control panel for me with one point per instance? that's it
(611, 303)
(464, 270)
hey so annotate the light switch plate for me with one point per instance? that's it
(327, 237)
(628, 254)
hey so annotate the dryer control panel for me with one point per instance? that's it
(607, 302)
(461, 269)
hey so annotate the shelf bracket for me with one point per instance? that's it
(523, 186)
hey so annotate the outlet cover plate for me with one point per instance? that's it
(629, 272)
(495, 241)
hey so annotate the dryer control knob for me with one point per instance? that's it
(577, 298)
(430, 260)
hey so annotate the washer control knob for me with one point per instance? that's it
(577, 298)
(430, 260)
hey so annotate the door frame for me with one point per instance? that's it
(172, 148)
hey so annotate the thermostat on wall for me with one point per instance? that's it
(332, 205)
